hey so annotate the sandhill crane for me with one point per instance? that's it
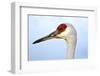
(64, 31)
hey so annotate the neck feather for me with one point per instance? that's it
(71, 44)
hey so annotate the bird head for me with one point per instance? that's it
(61, 32)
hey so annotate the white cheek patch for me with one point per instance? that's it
(64, 33)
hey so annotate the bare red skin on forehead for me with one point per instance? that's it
(62, 27)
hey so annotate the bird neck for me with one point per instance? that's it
(71, 49)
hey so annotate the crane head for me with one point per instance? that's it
(60, 33)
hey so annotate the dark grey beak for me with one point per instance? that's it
(48, 37)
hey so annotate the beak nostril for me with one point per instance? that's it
(53, 34)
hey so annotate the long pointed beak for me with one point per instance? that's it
(48, 37)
